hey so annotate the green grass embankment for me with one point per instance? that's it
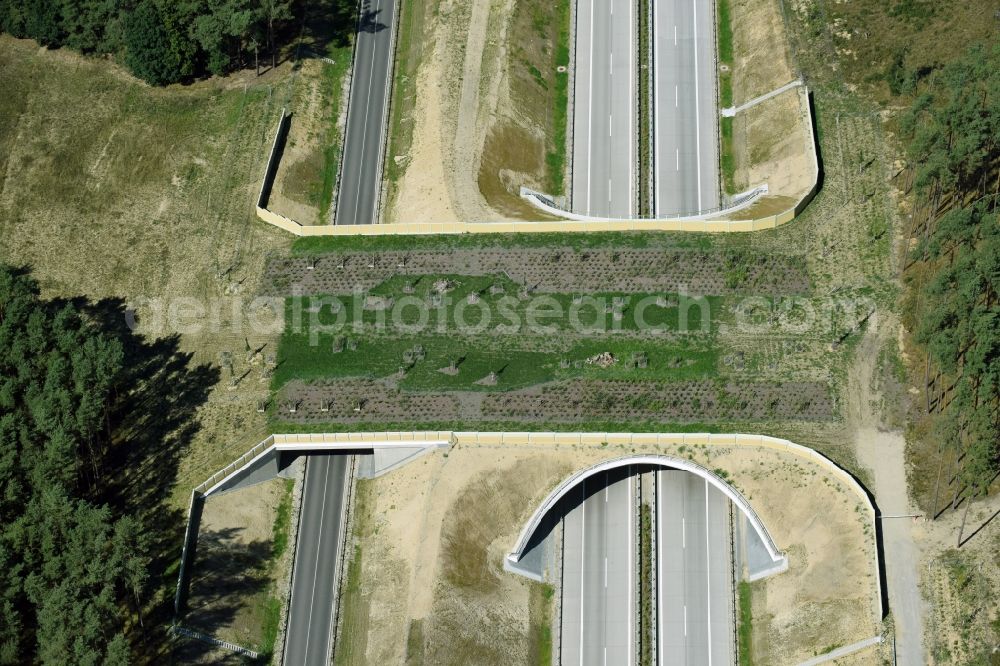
(727, 159)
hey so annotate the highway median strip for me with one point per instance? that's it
(645, 109)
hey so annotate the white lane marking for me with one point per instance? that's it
(659, 559)
(319, 540)
(685, 620)
(605, 572)
(631, 517)
(383, 126)
(678, 159)
(611, 64)
(656, 118)
(368, 101)
(675, 35)
(677, 96)
(631, 116)
(697, 112)
(333, 589)
(684, 542)
(708, 575)
(583, 551)
(610, 118)
(590, 107)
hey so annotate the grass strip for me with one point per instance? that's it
(540, 624)
(727, 158)
(510, 426)
(269, 627)
(618, 240)
(745, 630)
(725, 32)
(282, 521)
(409, 48)
(555, 156)
(333, 79)
(352, 638)
(272, 605)
(725, 45)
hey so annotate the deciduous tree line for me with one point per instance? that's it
(953, 297)
(72, 574)
(161, 41)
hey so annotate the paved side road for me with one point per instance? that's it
(364, 140)
(313, 594)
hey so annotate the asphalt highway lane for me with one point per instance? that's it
(604, 109)
(599, 574)
(314, 583)
(696, 619)
(364, 137)
(685, 110)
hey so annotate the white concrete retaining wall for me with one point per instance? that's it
(780, 561)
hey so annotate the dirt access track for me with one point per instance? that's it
(432, 535)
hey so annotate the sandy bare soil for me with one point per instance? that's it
(828, 596)
(770, 140)
(443, 524)
(760, 48)
(462, 94)
(423, 194)
(426, 192)
(777, 150)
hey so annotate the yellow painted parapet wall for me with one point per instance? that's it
(555, 226)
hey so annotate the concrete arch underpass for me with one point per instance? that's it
(527, 536)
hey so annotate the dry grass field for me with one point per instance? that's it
(768, 143)
(307, 173)
(113, 189)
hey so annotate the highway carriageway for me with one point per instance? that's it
(685, 154)
(693, 564)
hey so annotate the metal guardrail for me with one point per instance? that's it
(205, 638)
(235, 465)
(319, 439)
(737, 202)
